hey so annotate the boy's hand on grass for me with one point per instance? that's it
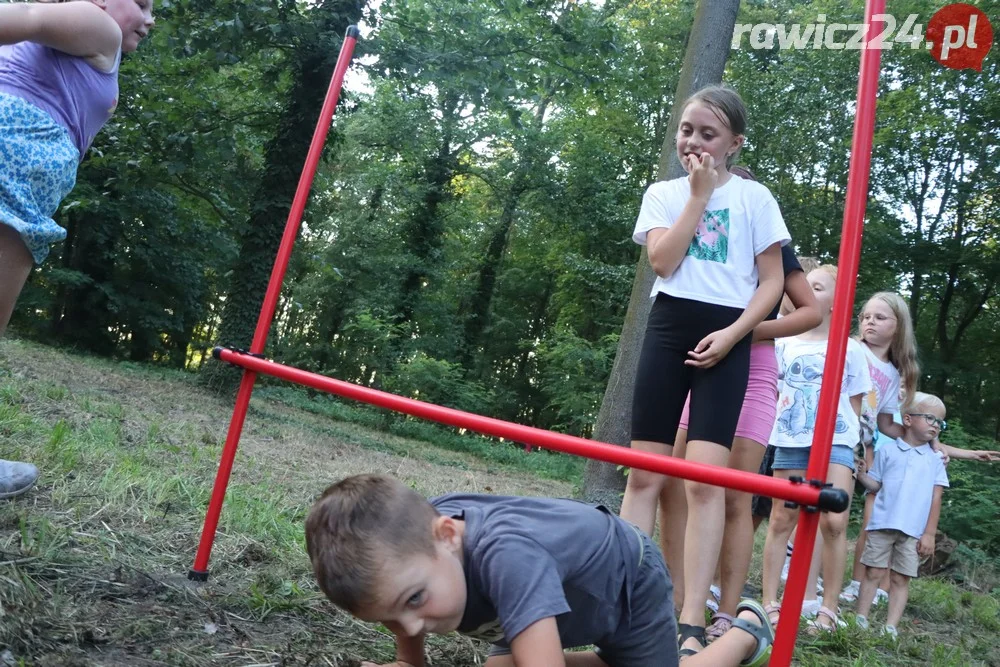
(925, 547)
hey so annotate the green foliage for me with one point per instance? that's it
(970, 511)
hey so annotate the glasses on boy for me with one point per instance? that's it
(931, 419)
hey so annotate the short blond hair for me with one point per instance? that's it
(359, 524)
(924, 401)
(830, 269)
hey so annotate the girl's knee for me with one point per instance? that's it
(833, 526)
(738, 503)
(645, 482)
(782, 519)
(699, 493)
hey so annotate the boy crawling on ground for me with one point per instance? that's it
(533, 576)
(909, 480)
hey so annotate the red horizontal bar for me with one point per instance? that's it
(667, 465)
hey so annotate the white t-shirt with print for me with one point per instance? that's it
(883, 396)
(741, 221)
(800, 374)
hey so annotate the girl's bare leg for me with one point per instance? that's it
(703, 538)
(15, 265)
(642, 490)
(737, 539)
(673, 522)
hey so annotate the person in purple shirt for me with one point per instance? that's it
(58, 87)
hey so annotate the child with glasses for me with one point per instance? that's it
(908, 479)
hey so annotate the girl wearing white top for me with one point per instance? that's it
(802, 364)
(714, 242)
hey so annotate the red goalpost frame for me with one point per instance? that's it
(811, 497)
(836, 348)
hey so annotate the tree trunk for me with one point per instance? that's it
(314, 62)
(704, 62)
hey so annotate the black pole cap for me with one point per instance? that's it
(217, 352)
(834, 500)
(195, 575)
(352, 31)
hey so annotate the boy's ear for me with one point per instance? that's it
(907, 420)
(445, 529)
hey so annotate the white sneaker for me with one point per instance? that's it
(861, 622)
(880, 597)
(850, 592)
(891, 631)
(16, 478)
(811, 607)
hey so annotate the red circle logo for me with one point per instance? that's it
(960, 36)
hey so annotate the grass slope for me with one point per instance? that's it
(93, 561)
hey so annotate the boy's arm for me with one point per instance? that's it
(538, 645)
(866, 481)
(925, 547)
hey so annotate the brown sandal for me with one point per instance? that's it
(773, 608)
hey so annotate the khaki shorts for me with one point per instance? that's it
(891, 546)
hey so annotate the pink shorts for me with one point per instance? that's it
(760, 404)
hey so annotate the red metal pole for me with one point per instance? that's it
(199, 571)
(836, 350)
(667, 465)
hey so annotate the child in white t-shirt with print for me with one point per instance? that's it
(801, 363)
(909, 480)
(714, 241)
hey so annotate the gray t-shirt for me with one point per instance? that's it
(527, 559)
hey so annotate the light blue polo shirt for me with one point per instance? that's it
(908, 475)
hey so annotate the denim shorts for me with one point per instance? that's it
(797, 458)
(647, 638)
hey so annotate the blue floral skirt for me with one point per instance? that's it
(38, 162)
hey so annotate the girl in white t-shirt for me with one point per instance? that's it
(714, 242)
(801, 364)
(886, 334)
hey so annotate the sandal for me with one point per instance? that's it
(686, 632)
(720, 626)
(763, 633)
(773, 611)
(835, 622)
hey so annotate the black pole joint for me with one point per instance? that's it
(195, 575)
(217, 352)
(830, 499)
